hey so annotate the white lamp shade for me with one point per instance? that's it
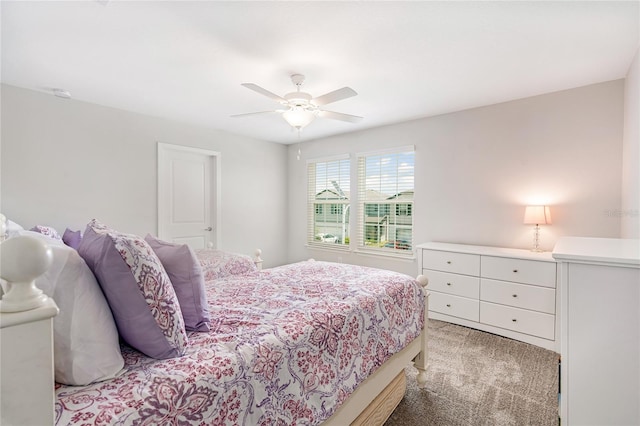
(298, 117)
(537, 215)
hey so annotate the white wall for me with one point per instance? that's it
(64, 162)
(630, 211)
(477, 169)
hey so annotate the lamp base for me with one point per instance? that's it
(536, 240)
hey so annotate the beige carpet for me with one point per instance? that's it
(477, 378)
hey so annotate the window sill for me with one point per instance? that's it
(328, 247)
(367, 253)
(375, 253)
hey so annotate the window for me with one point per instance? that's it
(328, 200)
(336, 209)
(385, 193)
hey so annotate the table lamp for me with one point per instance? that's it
(537, 215)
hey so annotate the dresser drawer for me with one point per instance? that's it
(524, 296)
(519, 270)
(520, 320)
(459, 285)
(456, 306)
(459, 263)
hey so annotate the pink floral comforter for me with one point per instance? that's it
(287, 346)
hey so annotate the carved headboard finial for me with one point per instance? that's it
(22, 260)
(422, 280)
(257, 259)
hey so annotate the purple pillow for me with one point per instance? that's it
(46, 230)
(185, 274)
(72, 238)
(140, 295)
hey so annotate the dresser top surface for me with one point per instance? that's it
(599, 250)
(488, 251)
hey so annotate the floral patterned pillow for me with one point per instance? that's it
(140, 295)
(219, 264)
(185, 274)
(47, 230)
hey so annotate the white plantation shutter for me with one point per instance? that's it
(385, 201)
(328, 211)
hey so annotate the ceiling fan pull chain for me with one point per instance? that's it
(298, 154)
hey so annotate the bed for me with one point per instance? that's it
(306, 343)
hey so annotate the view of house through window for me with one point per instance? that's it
(329, 186)
(385, 192)
(385, 188)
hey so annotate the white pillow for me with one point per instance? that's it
(86, 345)
(13, 229)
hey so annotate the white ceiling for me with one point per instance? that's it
(186, 60)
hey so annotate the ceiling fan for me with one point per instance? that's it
(300, 108)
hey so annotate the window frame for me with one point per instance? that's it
(394, 205)
(328, 206)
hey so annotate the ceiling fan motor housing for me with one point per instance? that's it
(301, 99)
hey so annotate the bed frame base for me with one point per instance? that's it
(381, 408)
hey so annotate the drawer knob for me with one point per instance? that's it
(515, 271)
(514, 295)
(448, 262)
(448, 283)
(514, 320)
(448, 305)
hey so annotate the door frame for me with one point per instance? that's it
(164, 150)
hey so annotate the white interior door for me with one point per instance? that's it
(188, 195)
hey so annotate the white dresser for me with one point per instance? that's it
(510, 292)
(600, 379)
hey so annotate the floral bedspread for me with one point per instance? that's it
(287, 346)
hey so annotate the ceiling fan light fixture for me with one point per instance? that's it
(298, 117)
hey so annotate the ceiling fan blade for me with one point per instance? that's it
(340, 116)
(265, 92)
(257, 113)
(335, 96)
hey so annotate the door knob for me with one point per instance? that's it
(208, 229)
